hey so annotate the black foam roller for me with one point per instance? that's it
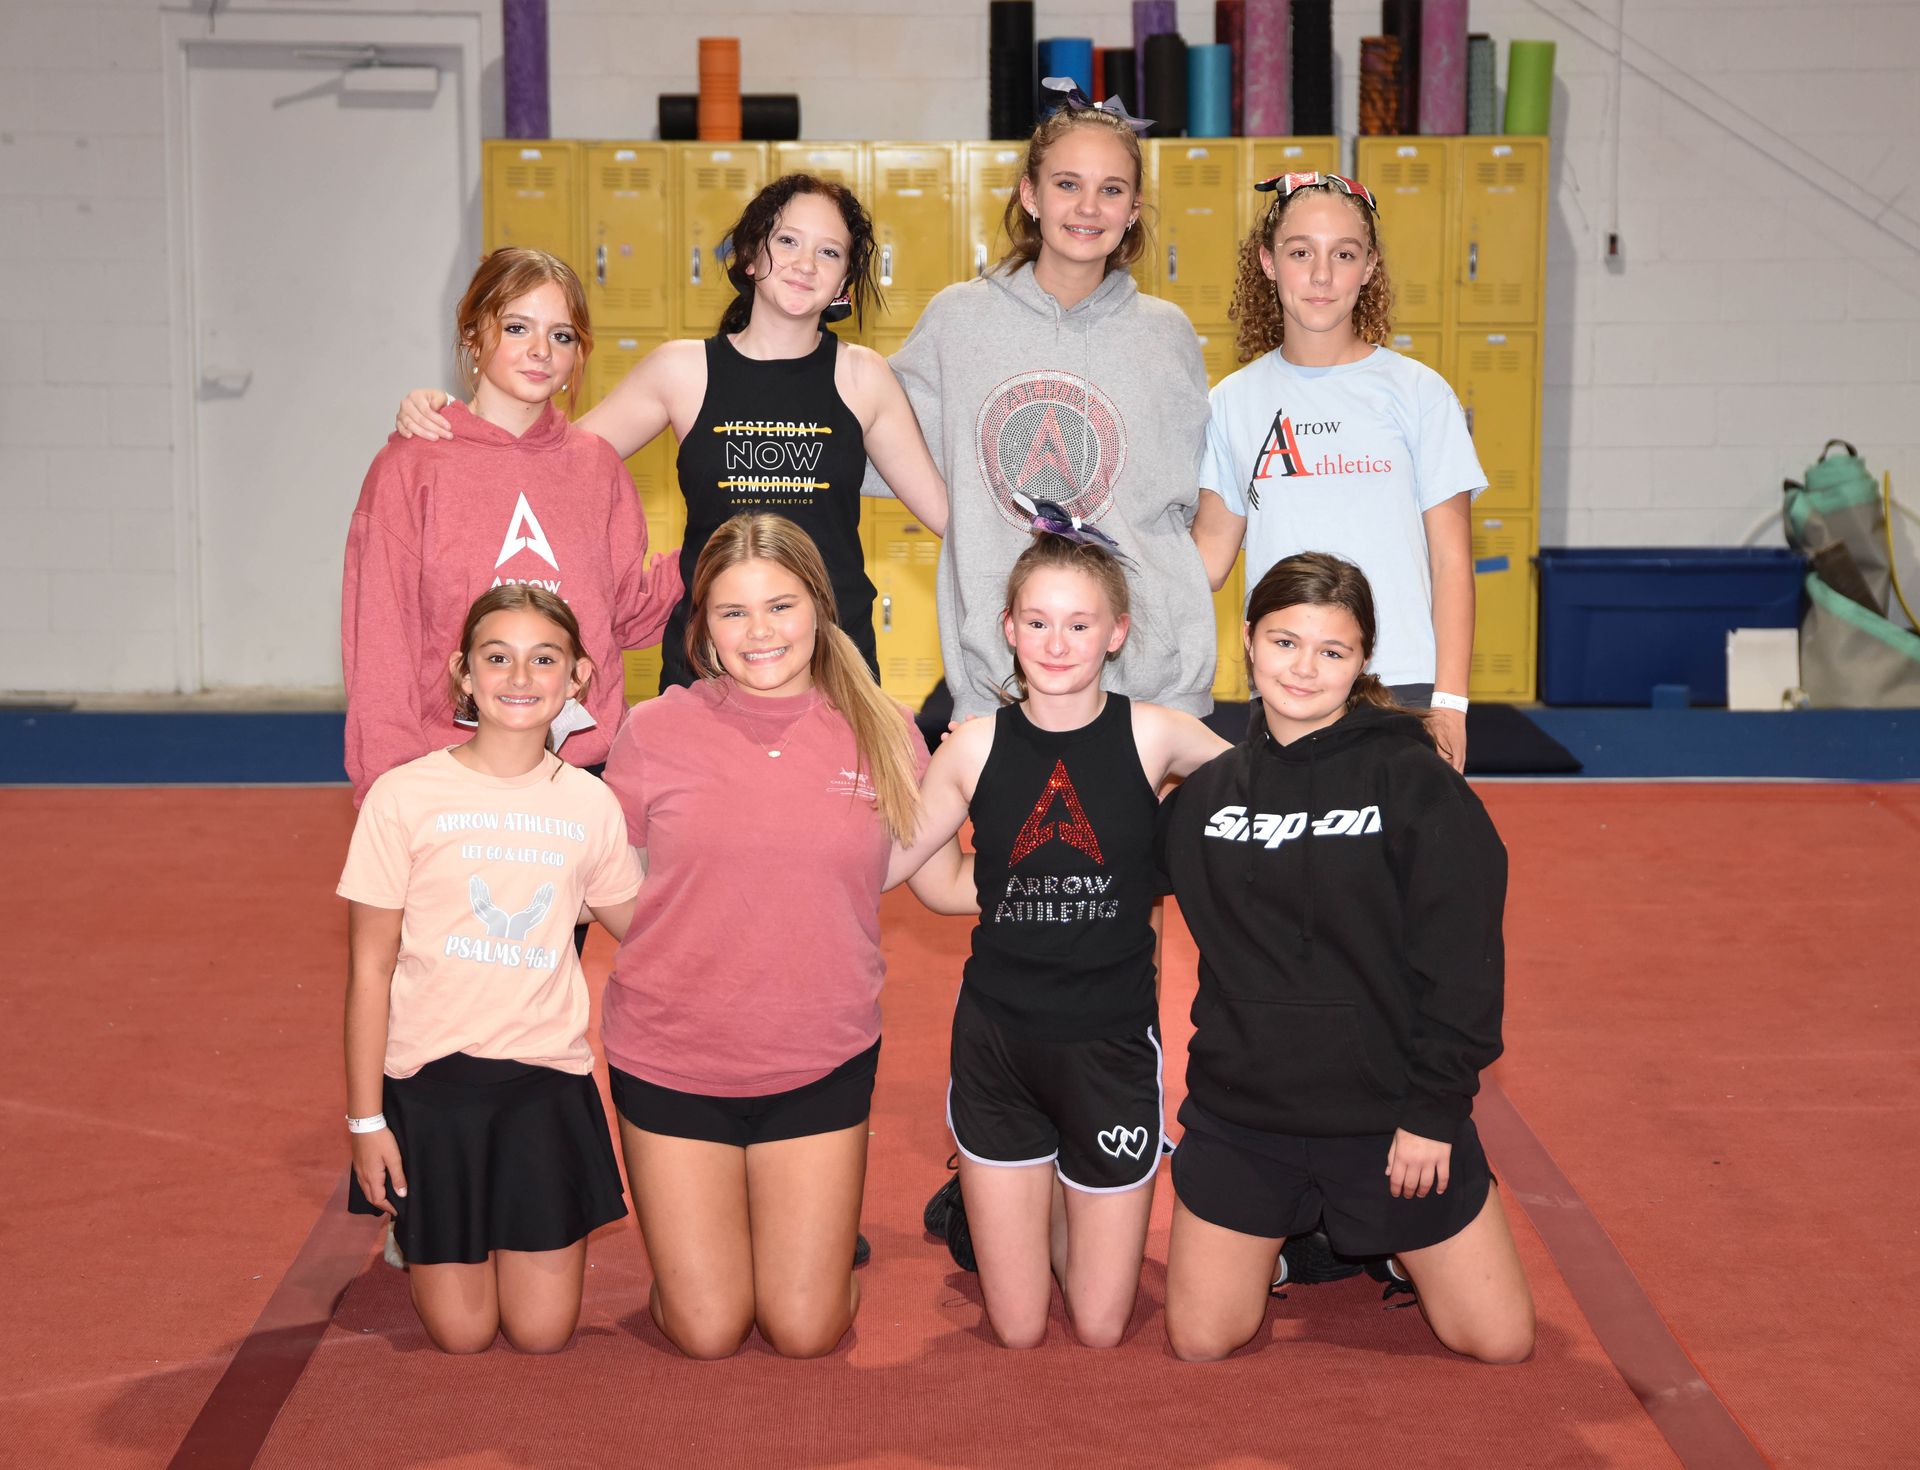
(1117, 76)
(679, 117)
(1401, 19)
(1166, 99)
(769, 117)
(1013, 84)
(1312, 68)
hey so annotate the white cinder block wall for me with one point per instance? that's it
(1759, 160)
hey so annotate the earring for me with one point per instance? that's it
(1034, 215)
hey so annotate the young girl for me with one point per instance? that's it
(1056, 1049)
(772, 412)
(1053, 378)
(1329, 440)
(1345, 888)
(514, 495)
(742, 1022)
(471, 1108)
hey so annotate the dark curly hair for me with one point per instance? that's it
(747, 242)
(1256, 302)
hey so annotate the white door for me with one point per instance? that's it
(332, 233)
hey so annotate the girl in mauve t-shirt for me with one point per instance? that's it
(471, 1111)
(742, 1020)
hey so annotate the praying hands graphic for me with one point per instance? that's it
(501, 924)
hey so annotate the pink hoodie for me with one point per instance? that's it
(440, 522)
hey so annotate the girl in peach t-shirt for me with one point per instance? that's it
(471, 1108)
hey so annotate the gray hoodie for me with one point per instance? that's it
(1101, 407)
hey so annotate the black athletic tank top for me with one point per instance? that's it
(777, 437)
(1063, 836)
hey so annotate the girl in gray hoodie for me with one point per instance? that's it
(1053, 378)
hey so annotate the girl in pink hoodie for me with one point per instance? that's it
(517, 494)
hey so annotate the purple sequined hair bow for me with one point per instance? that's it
(1056, 520)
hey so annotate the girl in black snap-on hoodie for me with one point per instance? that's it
(1344, 886)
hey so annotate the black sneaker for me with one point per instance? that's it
(1308, 1260)
(946, 1217)
(1383, 1269)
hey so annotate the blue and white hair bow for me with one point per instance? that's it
(1071, 96)
(1055, 520)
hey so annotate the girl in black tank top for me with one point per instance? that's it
(1055, 1086)
(775, 436)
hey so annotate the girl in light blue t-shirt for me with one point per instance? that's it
(1328, 441)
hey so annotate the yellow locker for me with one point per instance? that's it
(903, 558)
(1497, 375)
(532, 197)
(913, 224)
(990, 173)
(626, 238)
(1410, 179)
(1269, 156)
(712, 183)
(1195, 185)
(1229, 616)
(1500, 254)
(1216, 351)
(1423, 347)
(640, 668)
(652, 466)
(1505, 599)
(838, 163)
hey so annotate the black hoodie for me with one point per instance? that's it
(1345, 892)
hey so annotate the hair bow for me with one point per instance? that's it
(1285, 184)
(1071, 96)
(1053, 519)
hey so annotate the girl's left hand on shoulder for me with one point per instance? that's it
(1449, 727)
(1416, 1166)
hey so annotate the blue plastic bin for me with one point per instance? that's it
(1615, 621)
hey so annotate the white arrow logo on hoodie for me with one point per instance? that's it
(524, 534)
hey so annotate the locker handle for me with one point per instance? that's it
(600, 264)
(979, 257)
(1469, 413)
(1173, 262)
(886, 265)
(1473, 260)
(886, 614)
(696, 265)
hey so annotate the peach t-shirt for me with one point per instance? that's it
(489, 873)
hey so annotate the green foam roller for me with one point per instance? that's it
(1529, 86)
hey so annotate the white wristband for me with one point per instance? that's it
(1448, 701)
(366, 1125)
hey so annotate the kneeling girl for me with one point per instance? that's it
(470, 1099)
(1056, 1050)
(1345, 888)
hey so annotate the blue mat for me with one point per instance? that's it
(1804, 745)
(40, 747)
(66, 747)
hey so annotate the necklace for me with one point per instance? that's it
(747, 720)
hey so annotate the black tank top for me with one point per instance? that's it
(776, 437)
(1063, 835)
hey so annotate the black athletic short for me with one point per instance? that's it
(1276, 1184)
(838, 1100)
(1089, 1108)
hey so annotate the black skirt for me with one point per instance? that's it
(498, 1155)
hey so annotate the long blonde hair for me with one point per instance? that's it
(1023, 231)
(839, 672)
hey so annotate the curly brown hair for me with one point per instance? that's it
(1256, 304)
(1024, 231)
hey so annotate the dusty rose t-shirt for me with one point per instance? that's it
(489, 872)
(753, 961)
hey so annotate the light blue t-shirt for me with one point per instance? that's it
(1346, 459)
